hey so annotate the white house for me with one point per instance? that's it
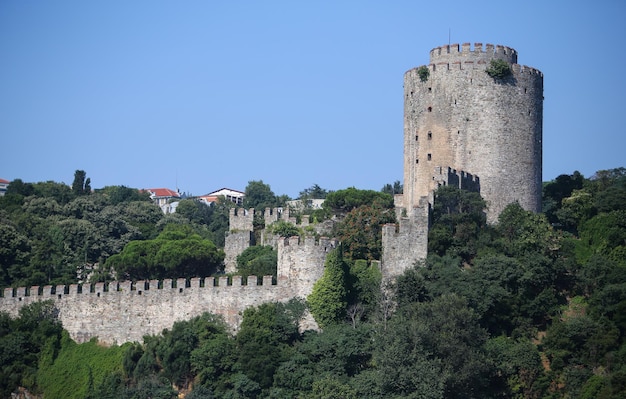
(231, 195)
(3, 186)
(161, 196)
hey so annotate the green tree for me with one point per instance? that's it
(59, 191)
(361, 231)
(458, 221)
(195, 211)
(283, 228)
(18, 187)
(575, 209)
(263, 341)
(331, 387)
(423, 73)
(81, 184)
(498, 69)
(259, 196)
(555, 191)
(214, 361)
(14, 253)
(518, 363)
(258, 260)
(120, 194)
(523, 231)
(313, 192)
(340, 350)
(42, 206)
(434, 349)
(396, 188)
(604, 234)
(343, 201)
(364, 293)
(23, 342)
(328, 300)
(176, 252)
(219, 222)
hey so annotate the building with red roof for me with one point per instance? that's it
(4, 184)
(162, 196)
(230, 194)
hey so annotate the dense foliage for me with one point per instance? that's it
(530, 307)
(51, 233)
(24, 342)
(258, 260)
(343, 201)
(176, 251)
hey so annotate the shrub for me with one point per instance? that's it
(499, 69)
(423, 73)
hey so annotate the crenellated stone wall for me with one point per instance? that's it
(119, 312)
(405, 243)
(462, 118)
(241, 231)
(459, 124)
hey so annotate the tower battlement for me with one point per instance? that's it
(446, 176)
(406, 242)
(301, 261)
(454, 52)
(241, 219)
(460, 117)
(471, 64)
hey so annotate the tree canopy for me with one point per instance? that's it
(177, 251)
(530, 307)
(343, 201)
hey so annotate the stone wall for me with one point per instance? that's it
(122, 311)
(234, 244)
(459, 124)
(241, 235)
(407, 242)
(462, 118)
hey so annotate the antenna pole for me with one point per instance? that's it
(448, 36)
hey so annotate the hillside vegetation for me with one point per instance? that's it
(530, 307)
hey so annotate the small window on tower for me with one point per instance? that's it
(416, 137)
(430, 109)
(430, 135)
(430, 157)
(430, 89)
(417, 161)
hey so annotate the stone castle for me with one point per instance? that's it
(466, 128)
(461, 127)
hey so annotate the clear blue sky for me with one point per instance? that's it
(211, 94)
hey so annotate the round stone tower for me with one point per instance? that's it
(457, 116)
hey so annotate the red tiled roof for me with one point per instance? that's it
(208, 198)
(4, 181)
(163, 192)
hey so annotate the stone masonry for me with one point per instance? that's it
(119, 312)
(461, 118)
(461, 127)
(464, 128)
